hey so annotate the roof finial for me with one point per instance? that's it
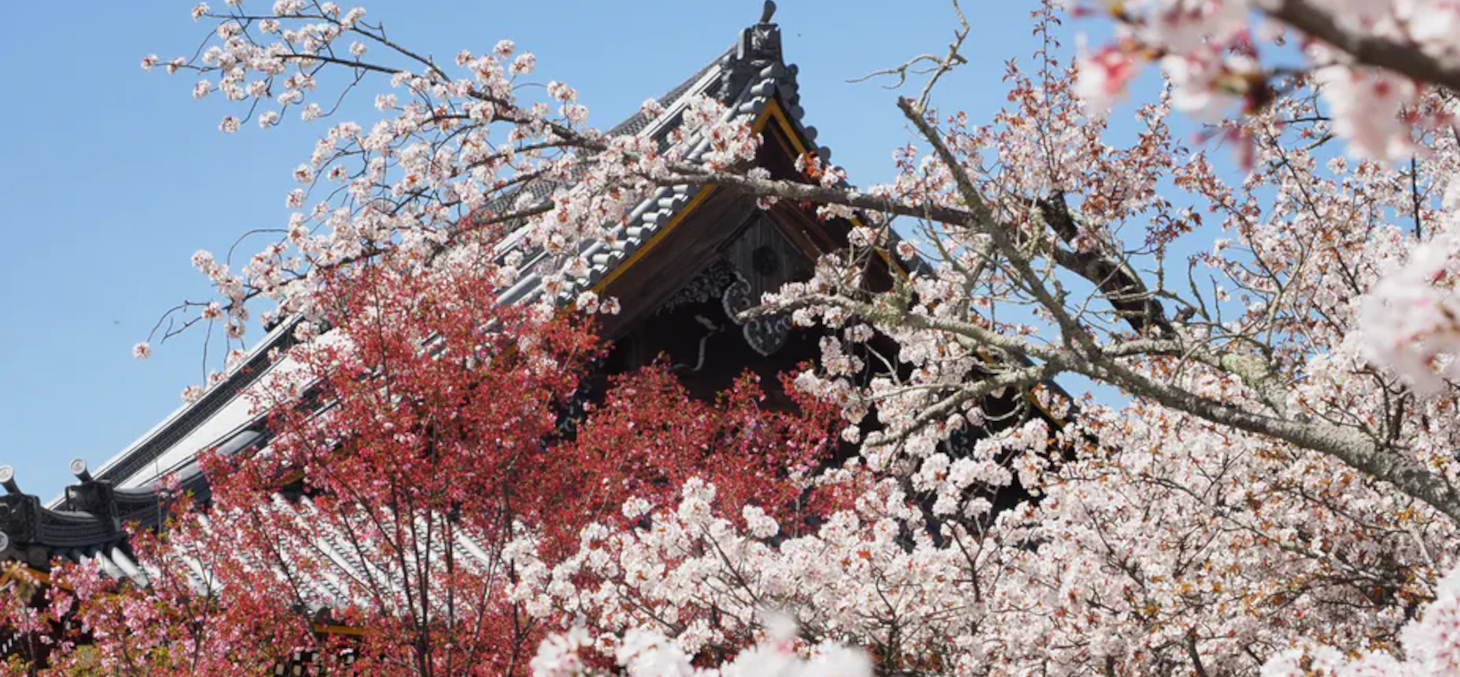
(767, 12)
(78, 468)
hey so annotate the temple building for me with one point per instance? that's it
(689, 258)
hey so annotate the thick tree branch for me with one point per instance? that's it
(1370, 50)
(1346, 445)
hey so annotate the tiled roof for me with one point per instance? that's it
(84, 522)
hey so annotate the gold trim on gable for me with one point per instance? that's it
(772, 110)
(658, 237)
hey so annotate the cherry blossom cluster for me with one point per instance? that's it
(1369, 59)
(1431, 646)
(648, 653)
(1411, 318)
(710, 579)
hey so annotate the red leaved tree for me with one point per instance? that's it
(425, 465)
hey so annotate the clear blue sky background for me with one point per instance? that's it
(112, 177)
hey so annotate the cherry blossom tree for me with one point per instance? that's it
(1274, 491)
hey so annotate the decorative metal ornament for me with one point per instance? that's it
(19, 517)
(765, 334)
(705, 287)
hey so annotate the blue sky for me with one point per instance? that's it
(113, 177)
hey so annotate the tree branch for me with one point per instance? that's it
(1370, 50)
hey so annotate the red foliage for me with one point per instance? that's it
(649, 436)
(421, 455)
